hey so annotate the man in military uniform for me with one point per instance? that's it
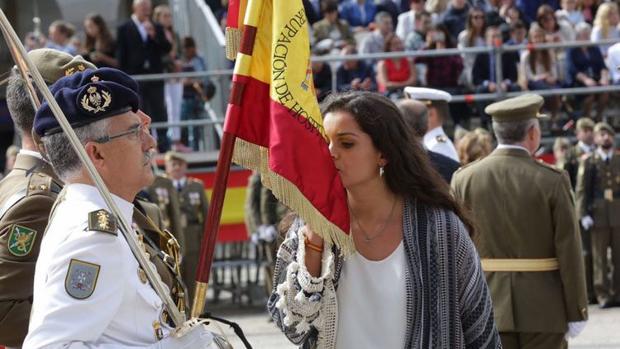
(435, 138)
(85, 266)
(193, 205)
(584, 131)
(163, 193)
(416, 116)
(26, 198)
(585, 146)
(527, 232)
(598, 203)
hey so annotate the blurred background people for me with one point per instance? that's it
(393, 74)
(99, 46)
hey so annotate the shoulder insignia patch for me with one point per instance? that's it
(81, 279)
(101, 220)
(441, 138)
(21, 240)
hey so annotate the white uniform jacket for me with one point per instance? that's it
(88, 292)
(436, 140)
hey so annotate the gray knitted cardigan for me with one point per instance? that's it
(448, 302)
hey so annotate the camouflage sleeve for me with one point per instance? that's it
(299, 303)
(21, 230)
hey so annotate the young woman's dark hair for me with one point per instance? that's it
(472, 31)
(106, 41)
(408, 171)
(446, 34)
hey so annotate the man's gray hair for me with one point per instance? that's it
(19, 103)
(512, 132)
(415, 114)
(64, 159)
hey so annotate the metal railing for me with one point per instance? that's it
(216, 115)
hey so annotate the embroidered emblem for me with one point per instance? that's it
(72, 70)
(21, 240)
(96, 99)
(102, 220)
(81, 279)
(441, 139)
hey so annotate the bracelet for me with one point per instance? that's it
(312, 246)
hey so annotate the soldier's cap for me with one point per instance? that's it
(87, 97)
(173, 155)
(519, 108)
(603, 126)
(53, 64)
(427, 94)
(583, 123)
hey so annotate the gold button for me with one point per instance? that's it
(142, 275)
(32, 187)
(43, 187)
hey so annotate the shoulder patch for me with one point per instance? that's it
(81, 279)
(101, 220)
(441, 139)
(21, 240)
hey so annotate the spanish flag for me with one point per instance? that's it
(274, 114)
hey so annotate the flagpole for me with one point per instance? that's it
(229, 137)
(214, 214)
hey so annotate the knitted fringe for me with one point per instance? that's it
(233, 41)
(255, 157)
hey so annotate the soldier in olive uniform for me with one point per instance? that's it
(193, 205)
(598, 203)
(27, 194)
(165, 196)
(580, 151)
(584, 131)
(527, 232)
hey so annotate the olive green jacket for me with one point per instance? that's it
(523, 208)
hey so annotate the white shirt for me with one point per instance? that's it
(605, 154)
(436, 140)
(512, 146)
(179, 183)
(120, 311)
(586, 148)
(406, 24)
(613, 62)
(140, 26)
(372, 298)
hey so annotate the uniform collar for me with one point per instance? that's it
(605, 154)
(86, 192)
(510, 149)
(585, 148)
(29, 162)
(431, 134)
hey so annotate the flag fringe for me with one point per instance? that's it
(233, 41)
(255, 157)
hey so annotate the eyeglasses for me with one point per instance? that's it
(138, 132)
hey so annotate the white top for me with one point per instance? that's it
(613, 62)
(67, 312)
(372, 302)
(406, 24)
(436, 140)
(512, 146)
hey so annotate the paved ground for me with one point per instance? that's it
(602, 330)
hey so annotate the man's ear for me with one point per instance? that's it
(93, 150)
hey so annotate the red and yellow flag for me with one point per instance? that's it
(274, 114)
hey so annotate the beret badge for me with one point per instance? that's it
(96, 99)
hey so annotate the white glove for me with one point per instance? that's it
(587, 222)
(198, 337)
(575, 328)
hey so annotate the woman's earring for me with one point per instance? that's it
(381, 171)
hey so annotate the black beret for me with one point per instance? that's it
(87, 97)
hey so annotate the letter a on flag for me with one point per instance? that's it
(274, 114)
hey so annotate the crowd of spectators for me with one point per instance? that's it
(145, 44)
(368, 26)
